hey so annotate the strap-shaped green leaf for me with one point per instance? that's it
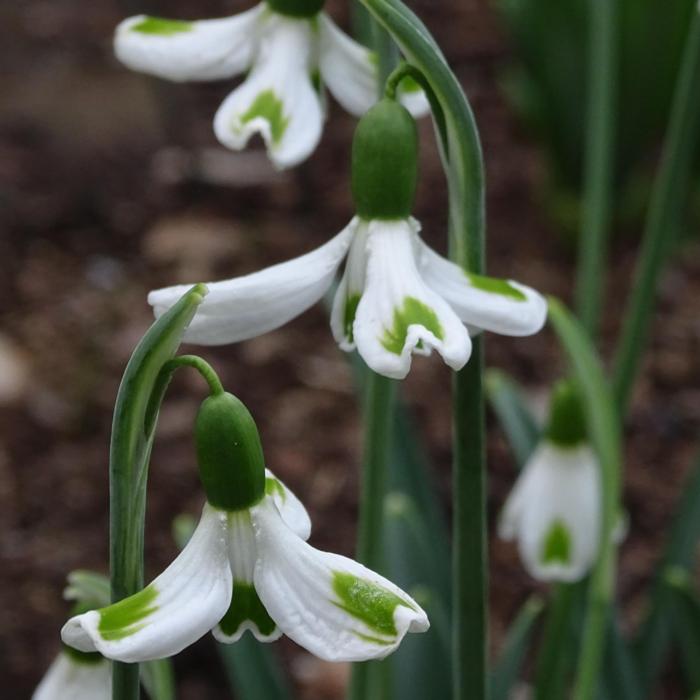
(653, 640)
(133, 430)
(253, 670)
(685, 617)
(516, 419)
(604, 431)
(505, 673)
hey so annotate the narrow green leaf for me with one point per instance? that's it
(158, 679)
(560, 641)
(421, 665)
(620, 672)
(601, 416)
(132, 440)
(507, 669)
(253, 670)
(653, 640)
(516, 419)
(686, 624)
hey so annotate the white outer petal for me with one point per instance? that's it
(212, 50)
(291, 509)
(349, 70)
(294, 581)
(557, 484)
(392, 276)
(479, 309)
(193, 594)
(68, 679)
(351, 285)
(245, 307)
(283, 66)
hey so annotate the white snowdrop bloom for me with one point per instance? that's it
(396, 297)
(555, 509)
(76, 676)
(248, 567)
(289, 51)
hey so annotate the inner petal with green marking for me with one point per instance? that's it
(369, 603)
(557, 546)
(413, 313)
(162, 27)
(268, 106)
(128, 616)
(246, 611)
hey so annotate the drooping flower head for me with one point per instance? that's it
(248, 567)
(397, 296)
(288, 49)
(554, 511)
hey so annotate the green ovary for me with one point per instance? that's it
(413, 313)
(246, 606)
(162, 27)
(369, 603)
(493, 285)
(556, 548)
(269, 107)
(125, 618)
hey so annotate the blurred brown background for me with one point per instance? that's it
(112, 183)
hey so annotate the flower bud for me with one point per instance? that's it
(229, 453)
(385, 162)
(567, 420)
(297, 8)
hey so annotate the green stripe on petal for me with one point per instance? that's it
(274, 487)
(368, 602)
(413, 313)
(493, 285)
(269, 107)
(246, 606)
(162, 27)
(125, 618)
(557, 544)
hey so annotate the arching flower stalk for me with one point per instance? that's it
(248, 567)
(397, 297)
(289, 50)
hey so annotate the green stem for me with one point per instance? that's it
(470, 551)
(202, 366)
(664, 216)
(599, 165)
(555, 657)
(378, 421)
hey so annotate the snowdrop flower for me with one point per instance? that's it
(248, 567)
(397, 296)
(555, 510)
(288, 50)
(76, 676)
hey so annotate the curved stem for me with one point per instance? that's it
(202, 366)
(668, 196)
(599, 157)
(378, 421)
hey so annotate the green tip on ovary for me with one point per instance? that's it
(567, 419)
(297, 8)
(385, 162)
(229, 453)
